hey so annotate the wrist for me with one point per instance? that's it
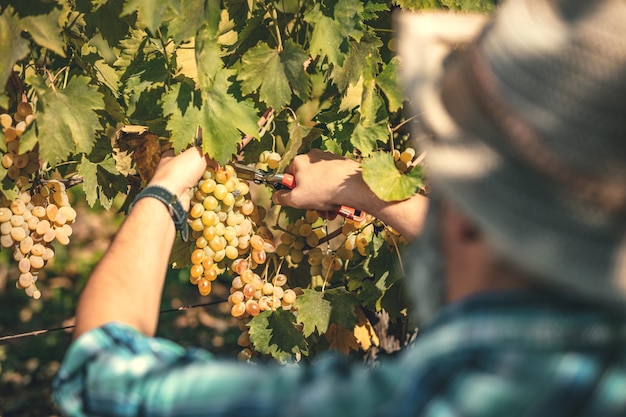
(175, 208)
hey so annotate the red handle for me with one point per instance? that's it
(289, 181)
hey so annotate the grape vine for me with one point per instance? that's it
(94, 90)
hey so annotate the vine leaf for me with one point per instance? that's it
(12, 46)
(343, 307)
(185, 25)
(62, 127)
(274, 73)
(299, 137)
(221, 116)
(151, 11)
(262, 69)
(364, 331)
(313, 312)
(366, 139)
(464, 5)
(362, 62)
(274, 333)
(388, 82)
(45, 30)
(333, 28)
(101, 181)
(384, 179)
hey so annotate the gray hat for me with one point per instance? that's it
(523, 119)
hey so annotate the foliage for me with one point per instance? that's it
(324, 71)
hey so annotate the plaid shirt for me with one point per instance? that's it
(501, 354)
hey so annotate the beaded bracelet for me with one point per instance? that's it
(178, 213)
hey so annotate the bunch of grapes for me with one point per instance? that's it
(250, 294)
(269, 159)
(223, 221)
(29, 224)
(301, 235)
(405, 160)
(38, 216)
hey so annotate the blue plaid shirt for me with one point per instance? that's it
(501, 354)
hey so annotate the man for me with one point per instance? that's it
(519, 269)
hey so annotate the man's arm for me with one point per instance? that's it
(325, 181)
(126, 285)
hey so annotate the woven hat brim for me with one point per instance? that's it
(531, 221)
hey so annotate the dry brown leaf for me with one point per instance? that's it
(142, 146)
(341, 339)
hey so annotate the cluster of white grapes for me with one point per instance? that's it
(269, 159)
(29, 224)
(223, 222)
(405, 160)
(38, 216)
(299, 236)
(250, 294)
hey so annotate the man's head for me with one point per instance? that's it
(523, 118)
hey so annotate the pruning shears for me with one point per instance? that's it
(287, 182)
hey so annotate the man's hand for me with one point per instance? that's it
(324, 181)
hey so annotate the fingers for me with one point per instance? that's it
(281, 197)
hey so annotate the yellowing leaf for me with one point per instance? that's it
(364, 332)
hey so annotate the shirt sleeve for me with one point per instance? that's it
(116, 371)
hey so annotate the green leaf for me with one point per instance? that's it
(369, 295)
(313, 312)
(373, 110)
(366, 139)
(362, 61)
(187, 23)
(384, 179)
(46, 31)
(12, 46)
(395, 300)
(149, 12)
(463, 5)
(343, 305)
(208, 58)
(101, 181)
(222, 117)
(293, 58)
(372, 8)
(274, 333)
(470, 5)
(299, 137)
(262, 69)
(389, 83)
(66, 120)
(418, 4)
(333, 28)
